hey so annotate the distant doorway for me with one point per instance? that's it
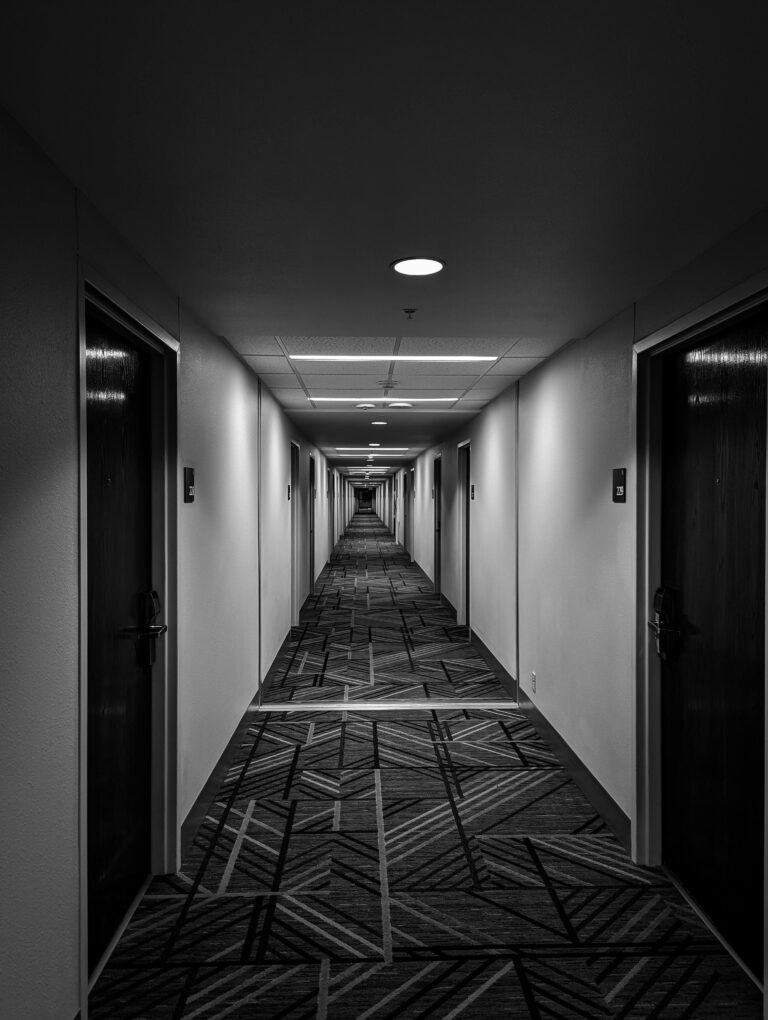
(437, 492)
(406, 512)
(312, 498)
(295, 572)
(464, 491)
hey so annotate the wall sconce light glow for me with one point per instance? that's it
(400, 403)
(417, 266)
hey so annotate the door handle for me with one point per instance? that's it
(153, 630)
(146, 634)
(663, 623)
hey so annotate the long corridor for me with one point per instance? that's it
(368, 858)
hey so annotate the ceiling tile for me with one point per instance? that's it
(454, 345)
(491, 385)
(339, 344)
(342, 381)
(267, 363)
(515, 366)
(473, 369)
(281, 381)
(379, 369)
(407, 380)
(257, 345)
(536, 347)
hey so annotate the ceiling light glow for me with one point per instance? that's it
(425, 358)
(367, 405)
(417, 266)
(378, 423)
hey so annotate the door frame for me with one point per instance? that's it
(464, 455)
(437, 522)
(96, 291)
(646, 372)
(295, 483)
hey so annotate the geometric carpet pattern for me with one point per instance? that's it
(409, 863)
(373, 630)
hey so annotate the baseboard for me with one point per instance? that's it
(506, 679)
(200, 808)
(613, 816)
(447, 604)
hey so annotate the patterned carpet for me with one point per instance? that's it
(373, 630)
(413, 863)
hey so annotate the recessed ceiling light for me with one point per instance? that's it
(418, 266)
(374, 444)
(378, 423)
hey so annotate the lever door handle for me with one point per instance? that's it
(150, 631)
(659, 629)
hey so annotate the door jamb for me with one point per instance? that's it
(462, 449)
(646, 372)
(165, 835)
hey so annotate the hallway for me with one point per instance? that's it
(410, 862)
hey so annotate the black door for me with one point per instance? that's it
(438, 481)
(119, 570)
(406, 512)
(464, 484)
(312, 494)
(713, 555)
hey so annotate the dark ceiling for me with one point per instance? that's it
(270, 161)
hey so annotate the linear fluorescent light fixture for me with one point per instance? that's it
(424, 358)
(367, 401)
(417, 265)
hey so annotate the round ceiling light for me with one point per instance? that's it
(365, 407)
(400, 403)
(418, 266)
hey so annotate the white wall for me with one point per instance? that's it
(38, 585)
(577, 550)
(491, 436)
(218, 553)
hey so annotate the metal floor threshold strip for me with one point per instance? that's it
(423, 705)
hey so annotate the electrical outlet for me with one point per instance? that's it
(533, 682)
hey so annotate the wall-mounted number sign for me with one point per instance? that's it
(619, 485)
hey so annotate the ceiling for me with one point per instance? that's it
(271, 161)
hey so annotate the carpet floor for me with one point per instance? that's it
(418, 862)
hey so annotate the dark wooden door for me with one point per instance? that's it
(119, 569)
(406, 512)
(464, 468)
(438, 480)
(312, 494)
(713, 555)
